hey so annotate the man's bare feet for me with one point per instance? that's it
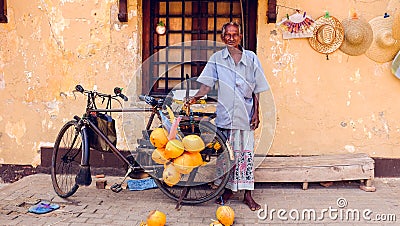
(249, 201)
(224, 197)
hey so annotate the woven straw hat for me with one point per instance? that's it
(384, 47)
(357, 36)
(393, 8)
(396, 25)
(328, 35)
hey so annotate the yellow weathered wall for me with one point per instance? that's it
(345, 104)
(46, 48)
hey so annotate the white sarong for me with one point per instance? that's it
(241, 176)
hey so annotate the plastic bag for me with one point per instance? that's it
(106, 125)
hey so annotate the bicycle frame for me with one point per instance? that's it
(84, 175)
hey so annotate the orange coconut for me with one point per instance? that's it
(187, 162)
(173, 149)
(158, 156)
(193, 143)
(156, 218)
(225, 215)
(171, 176)
(159, 137)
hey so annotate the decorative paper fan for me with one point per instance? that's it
(297, 26)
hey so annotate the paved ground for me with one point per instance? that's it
(339, 204)
(3, 184)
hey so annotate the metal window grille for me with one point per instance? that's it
(171, 57)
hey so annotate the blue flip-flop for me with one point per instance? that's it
(43, 207)
(141, 184)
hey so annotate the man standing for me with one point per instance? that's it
(240, 79)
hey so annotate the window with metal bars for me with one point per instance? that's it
(192, 34)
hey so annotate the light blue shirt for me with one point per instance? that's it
(236, 83)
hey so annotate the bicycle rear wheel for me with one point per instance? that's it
(66, 159)
(207, 181)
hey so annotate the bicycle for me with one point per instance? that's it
(71, 154)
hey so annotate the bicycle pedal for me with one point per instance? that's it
(116, 188)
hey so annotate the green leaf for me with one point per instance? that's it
(161, 23)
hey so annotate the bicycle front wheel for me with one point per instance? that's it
(66, 159)
(207, 181)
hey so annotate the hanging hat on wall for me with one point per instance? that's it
(396, 25)
(328, 34)
(384, 47)
(393, 8)
(357, 36)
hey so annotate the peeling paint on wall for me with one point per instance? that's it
(56, 21)
(372, 126)
(2, 81)
(47, 48)
(348, 98)
(16, 130)
(380, 69)
(384, 122)
(350, 148)
(356, 78)
(280, 55)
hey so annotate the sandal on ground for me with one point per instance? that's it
(43, 207)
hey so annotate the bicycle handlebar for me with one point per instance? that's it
(154, 102)
(149, 100)
(117, 92)
(79, 88)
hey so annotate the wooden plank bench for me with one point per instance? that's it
(320, 168)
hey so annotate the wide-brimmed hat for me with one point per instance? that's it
(357, 36)
(393, 8)
(328, 34)
(396, 25)
(384, 47)
(393, 4)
